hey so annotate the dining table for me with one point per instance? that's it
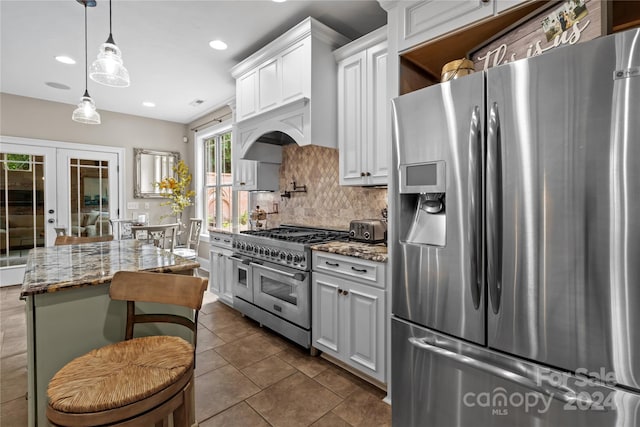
(68, 309)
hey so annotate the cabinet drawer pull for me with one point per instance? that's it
(339, 291)
(227, 241)
(216, 238)
(242, 183)
(332, 264)
(368, 174)
(359, 270)
(345, 292)
(362, 174)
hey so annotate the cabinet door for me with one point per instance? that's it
(246, 94)
(326, 316)
(364, 323)
(378, 137)
(295, 80)
(351, 122)
(502, 5)
(244, 175)
(215, 256)
(226, 277)
(269, 85)
(425, 20)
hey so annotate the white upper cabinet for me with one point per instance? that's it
(282, 71)
(363, 137)
(421, 21)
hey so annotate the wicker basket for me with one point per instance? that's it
(457, 68)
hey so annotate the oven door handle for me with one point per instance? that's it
(245, 261)
(296, 276)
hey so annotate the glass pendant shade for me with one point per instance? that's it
(108, 69)
(86, 111)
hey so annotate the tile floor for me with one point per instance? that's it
(245, 376)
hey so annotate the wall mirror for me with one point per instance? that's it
(152, 166)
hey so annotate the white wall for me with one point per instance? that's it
(35, 118)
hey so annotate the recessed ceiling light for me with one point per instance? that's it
(279, 1)
(218, 44)
(57, 85)
(148, 104)
(65, 59)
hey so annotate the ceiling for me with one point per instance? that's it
(164, 44)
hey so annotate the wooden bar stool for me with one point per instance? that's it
(139, 381)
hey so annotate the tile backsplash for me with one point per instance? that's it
(326, 203)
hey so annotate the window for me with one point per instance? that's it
(222, 207)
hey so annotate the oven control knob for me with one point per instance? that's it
(367, 235)
(256, 249)
(275, 252)
(289, 257)
(283, 256)
(261, 251)
(241, 245)
(249, 247)
(298, 259)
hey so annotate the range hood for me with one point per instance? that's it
(286, 93)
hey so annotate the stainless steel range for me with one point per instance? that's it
(271, 277)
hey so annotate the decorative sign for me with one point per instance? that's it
(563, 24)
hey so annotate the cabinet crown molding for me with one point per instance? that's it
(309, 27)
(358, 45)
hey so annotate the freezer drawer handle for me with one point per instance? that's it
(562, 393)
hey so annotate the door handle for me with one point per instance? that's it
(297, 276)
(539, 384)
(474, 196)
(494, 209)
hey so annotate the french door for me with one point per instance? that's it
(50, 187)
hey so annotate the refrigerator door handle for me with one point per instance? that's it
(541, 385)
(494, 209)
(474, 194)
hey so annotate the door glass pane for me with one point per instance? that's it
(22, 225)
(89, 201)
(278, 289)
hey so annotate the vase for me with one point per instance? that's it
(180, 229)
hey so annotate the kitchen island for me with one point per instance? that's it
(69, 311)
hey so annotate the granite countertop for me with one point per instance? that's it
(377, 253)
(57, 268)
(221, 231)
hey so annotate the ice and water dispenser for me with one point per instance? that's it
(423, 203)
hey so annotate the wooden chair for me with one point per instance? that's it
(76, 240)
(162, 236)
(190, 250)
(139, 381)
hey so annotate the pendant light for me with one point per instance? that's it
(86, 111)
(108, 69)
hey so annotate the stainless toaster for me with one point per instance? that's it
(368, 230)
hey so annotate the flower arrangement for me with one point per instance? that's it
(177, 190)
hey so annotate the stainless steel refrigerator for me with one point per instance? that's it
(515, 216)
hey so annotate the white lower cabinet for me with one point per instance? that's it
(220, 273)
(348, 321)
